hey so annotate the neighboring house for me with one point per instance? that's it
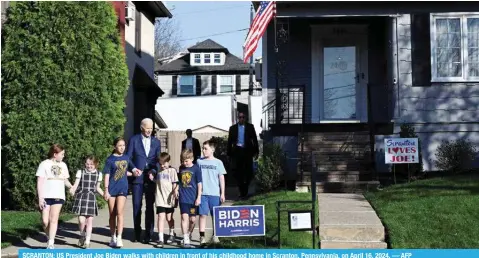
(351, 75)
(4, 6)
(137, 28)
(205, 86)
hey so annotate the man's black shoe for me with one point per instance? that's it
(146, 240)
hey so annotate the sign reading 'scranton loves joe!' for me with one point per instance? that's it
(401, 150)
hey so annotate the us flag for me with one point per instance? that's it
(265, 13)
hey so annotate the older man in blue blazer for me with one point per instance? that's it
(143, 149)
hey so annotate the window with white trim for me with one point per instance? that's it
(455, 47)
(207, 58)
(226, 84)
(197, 59)
(186, 85)
(217, 58)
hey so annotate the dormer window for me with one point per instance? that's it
(217, 59)
(197, 58)
(207, 59)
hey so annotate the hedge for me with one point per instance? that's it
(64, 80)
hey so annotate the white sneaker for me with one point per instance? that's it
(215, 240)
(112, 242)
(119, 243)
(202, 240)
(50, 246)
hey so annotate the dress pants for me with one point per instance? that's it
(148, 188)
(243, 169)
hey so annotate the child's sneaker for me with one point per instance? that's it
(50, 246)
(159, 244)
(86, 245)
(112, 242)
(186, 244)
(171, 238)
(81, 241)
(202, 241)
(119, 243)
(215, 240)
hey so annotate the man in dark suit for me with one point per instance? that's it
(144, 151)
(192, 144)
(242, 148)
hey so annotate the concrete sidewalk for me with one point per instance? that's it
(68, 235)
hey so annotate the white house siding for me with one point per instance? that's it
(443, 111)
(146, 61)
(195, 112)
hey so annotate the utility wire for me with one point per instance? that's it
(214, 9)
(217, 34)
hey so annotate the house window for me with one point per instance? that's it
(455, 47)
(226, 84)
(138, 32)
(197, 58)
(186, 85)
(207, 58)
(217, 58)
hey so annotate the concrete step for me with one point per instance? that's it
(353, 245)
(352, 233)
(336, 176)
(338, 187)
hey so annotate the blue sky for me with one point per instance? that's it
(202, 18)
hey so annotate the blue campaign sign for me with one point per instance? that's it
(232, 221)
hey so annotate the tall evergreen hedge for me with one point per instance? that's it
(64, 80)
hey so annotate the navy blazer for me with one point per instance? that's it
(138, 156)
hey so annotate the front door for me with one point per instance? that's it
(339, 74)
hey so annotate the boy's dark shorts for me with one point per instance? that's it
(188, 208)
(164, 210)
(50, 201)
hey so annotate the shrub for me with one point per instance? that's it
(221, 150)
(270, 168)
(455, 156)
(64, 80)
(415, 169)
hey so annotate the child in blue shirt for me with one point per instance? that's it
(117, 168)
(213, 171)
(190, 181)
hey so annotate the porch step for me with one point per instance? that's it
(326, 244)
(338, 187)
(336, 176)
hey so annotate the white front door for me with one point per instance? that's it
(339, 74)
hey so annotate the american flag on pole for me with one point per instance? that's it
(266, 12)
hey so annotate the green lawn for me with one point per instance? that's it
(18, 225)
(288, 239)
(432, 213)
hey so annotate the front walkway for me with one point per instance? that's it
(348, 221)
(67, 235)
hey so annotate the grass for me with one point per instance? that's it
(18, 225)
(298, 239)
(432, 213)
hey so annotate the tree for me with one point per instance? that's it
(167, 38)
(64, 80)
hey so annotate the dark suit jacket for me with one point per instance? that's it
(250, 139)
(196, 147)
(138, 156)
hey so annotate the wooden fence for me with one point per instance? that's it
(171, 143)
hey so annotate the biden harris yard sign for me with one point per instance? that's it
(231, 221)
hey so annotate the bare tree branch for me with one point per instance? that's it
(167, 38)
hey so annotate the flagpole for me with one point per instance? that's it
(251, 57)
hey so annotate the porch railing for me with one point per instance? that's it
(290, 102)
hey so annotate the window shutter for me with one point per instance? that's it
(213, 84)
(198, 85)
(238, 84)
(421, 50)
(174, 85)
